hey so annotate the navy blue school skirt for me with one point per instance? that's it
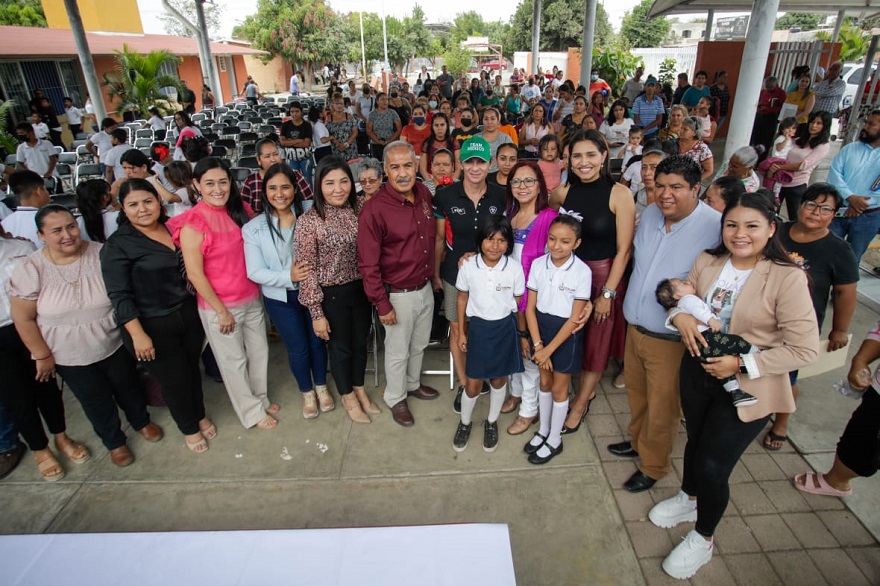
(568, 358)
(493, 349)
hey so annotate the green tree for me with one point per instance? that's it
(22, 13)
(853, 40)
(468, 24)
(615, 66)
(637, 31)
(457, 59)
(416, 35)
(295, 30)
(562, 26)
(8, 142)
(188, 9)
(804, 20)
(137, 79)
(439, 45)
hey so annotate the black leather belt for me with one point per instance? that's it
(410, 290)
(868, 211)
(665, 337)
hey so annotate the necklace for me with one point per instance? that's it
(76, 283)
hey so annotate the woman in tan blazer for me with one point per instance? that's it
(759, 294)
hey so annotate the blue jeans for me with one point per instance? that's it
(858, 232)
(306, 352)
(305, 167)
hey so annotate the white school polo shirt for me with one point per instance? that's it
(491, 290)
(21, 225)
(559, 287)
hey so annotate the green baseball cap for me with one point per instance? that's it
(475, 146)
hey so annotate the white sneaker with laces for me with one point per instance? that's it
(688, 556)
(675, 510)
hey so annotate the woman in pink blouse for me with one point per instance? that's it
(61, 310)
(809, 147)
(209, 235)
(326, 239)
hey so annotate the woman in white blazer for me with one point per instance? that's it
(268, 249)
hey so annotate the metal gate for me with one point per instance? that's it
(787, 56)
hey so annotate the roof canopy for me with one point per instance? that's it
(21, 41)
(666, 7)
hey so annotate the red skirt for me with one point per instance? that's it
(606, 339)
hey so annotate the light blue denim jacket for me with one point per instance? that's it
(263, 260)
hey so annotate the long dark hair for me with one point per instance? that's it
(234, 205)
(511, 205)
(136, 158)
(52, 208)
(802, 138)
(773, 251)
(272, 171)
(180, 175)
(610, 118)
(598, 139)
(91, 199)
(131, 185)
(328, 164)
(428, 143)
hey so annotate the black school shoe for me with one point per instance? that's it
(490, 436)
(462, 435)
(741, 398)
(456, 404)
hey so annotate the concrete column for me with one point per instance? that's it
(211, 65)
(587, 47)
(710, 19)
(751, 73)
(536, 36)
(837, 24)
(85, 59)
(855, 122)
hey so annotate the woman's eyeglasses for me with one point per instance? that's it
(528, 182)
(811, 206)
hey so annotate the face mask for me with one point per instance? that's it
(393, 94)
(432, 103)
(488, 92)
(419, 120)
(466, 121)
(594, 77)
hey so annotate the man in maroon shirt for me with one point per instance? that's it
(396, 260)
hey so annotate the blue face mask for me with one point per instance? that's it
(432, 103)
(418, 120)
(594, 77)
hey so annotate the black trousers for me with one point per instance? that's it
(792, 198)
(858, 445)
(178, 340)
(100, 387)
(376, 151)
(75, 129)
(25, 398)
(349, 314)
(716, 440)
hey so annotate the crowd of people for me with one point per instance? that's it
(500, 203)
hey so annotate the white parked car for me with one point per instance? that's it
(852, 74)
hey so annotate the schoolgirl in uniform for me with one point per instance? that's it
(559, 290)
(490, 286)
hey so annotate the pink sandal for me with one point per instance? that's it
(815, 483)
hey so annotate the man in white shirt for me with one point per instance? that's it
(530, 91)
(830, 90)
(633, 86)
(113, 158)
(74, 117)
(294, 84)
(99, 143)
(35, 154)
(32, 195)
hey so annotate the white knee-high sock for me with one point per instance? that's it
(560, 410)
(467, 407)
(496, 400)
(545, 411)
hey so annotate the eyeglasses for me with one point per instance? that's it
(528, 182)
(369, 181)
(811, 206)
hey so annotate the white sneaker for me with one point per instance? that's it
(688, 556)
(671, 512)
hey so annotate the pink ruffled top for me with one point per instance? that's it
(223, 252)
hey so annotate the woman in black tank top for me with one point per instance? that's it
(607, 213)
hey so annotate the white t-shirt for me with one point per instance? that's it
(529, 92)
(157, 123)
(633, 174)
(102, 141)
(74, 115)
(628, 152)
(113, 159)
(37, 158)
(5, 212)
(319, 131)
(110, 224)
(367, 105)
(693, 305)
(21, 223)
(617, 133)
(41, 130)
(784, 152)
(723, 293)
(491, 290)
(559, 287)
(12, 252)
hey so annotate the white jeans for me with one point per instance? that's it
(525, 384)
(243, 358)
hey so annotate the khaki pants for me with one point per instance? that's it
(405, 342)
(243, 358)
(651, 369)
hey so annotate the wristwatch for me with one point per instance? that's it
(608, 293)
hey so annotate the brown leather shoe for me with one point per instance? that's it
(511, 403)
(402, 415)
(424, 392)
(521, 425)
(151, 432)
(121, 456)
